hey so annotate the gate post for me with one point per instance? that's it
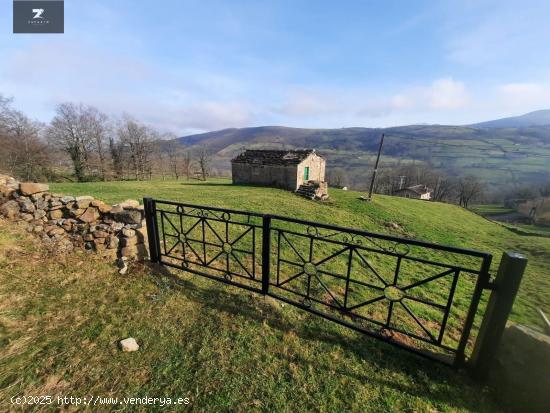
(152, 234)
(505, 288)
(266, 251)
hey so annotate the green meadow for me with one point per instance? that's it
(225, 348)
(429, 221)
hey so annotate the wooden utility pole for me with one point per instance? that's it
(375, 168)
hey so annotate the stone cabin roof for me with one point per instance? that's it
(417, 189)
(273, 157)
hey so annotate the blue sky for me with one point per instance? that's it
(191, 66)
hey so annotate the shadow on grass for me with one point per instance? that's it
(522, 232)
(206, 183)
(382, 357)
(225, 184)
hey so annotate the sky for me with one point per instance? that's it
(193, 66)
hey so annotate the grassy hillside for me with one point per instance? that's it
(224, 348)
(436, 222)
(500, 156)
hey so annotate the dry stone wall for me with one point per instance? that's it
(521, 370)
(67, 222)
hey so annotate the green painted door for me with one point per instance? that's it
(306, 173)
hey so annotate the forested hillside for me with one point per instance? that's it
(499, 156)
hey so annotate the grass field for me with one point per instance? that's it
(435, 222)
(491, 209)
(227, 349)
(495, 212)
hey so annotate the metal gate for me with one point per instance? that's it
(416, 295)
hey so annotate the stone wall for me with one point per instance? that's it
(67, 222)
(520, 373)
(316, 166)
(277, 176)
(321, 190)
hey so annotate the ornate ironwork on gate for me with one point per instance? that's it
(213, 242)
(413, 294)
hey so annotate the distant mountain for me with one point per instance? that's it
(501, 156)
(537, 118)
(332, 139)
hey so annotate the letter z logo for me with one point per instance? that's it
(38, 13)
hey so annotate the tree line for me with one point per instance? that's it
(462, 190)
(93, 146)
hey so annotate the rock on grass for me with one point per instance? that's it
(129, 344)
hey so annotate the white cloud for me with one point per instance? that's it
(197, 86)
(401, 101)
(213, 115)
(186, 100)
(529, 96)
(169, 100)
(445, 94)
(305, 103)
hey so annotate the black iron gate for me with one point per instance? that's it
(413, 294)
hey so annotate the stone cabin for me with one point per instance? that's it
(415, 192)
(302, 171)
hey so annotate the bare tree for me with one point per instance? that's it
(203, 156)
(5, 107)
(23, 154)
(469, 188)
(161, 159)
(186, 163)
(30, 151)
(153, 139)
(386, 181)
(68, 130)
(96, 125)
(444, 188)
(392, 179)
(171, 148)
(418, 174)
(117, 152)
(138, 139)
(337, 177)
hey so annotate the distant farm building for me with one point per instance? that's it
(302, 171)
(415, 192)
